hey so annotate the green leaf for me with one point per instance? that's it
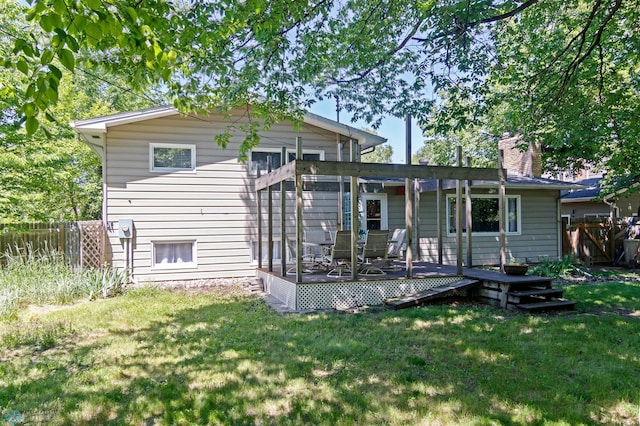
(93, 31)
(67, 59)
(31, 125)
(94, 4)
(48, 22)
(23, 66)
(47, 56)
(55, 71)
(60, 6)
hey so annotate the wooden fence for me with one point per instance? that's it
(82, 244)
(597, 240)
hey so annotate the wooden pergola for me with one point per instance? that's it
(296, 169)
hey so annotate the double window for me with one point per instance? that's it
(485, 215)
(260, 159)
(165, 157)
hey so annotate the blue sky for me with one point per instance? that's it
(392, 128)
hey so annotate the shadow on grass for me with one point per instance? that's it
(234, 361)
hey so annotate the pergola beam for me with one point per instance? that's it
(341, 168)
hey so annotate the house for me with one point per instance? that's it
(178, 206)
(595, 201)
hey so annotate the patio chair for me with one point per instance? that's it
(307, 262)
(318, 244)
(375, 247)
(340, 254)
(397, 245)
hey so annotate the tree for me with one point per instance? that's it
(51, 177)
(382, 154)
(380, 58)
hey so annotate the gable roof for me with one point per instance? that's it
(94, 129)
(595, 190)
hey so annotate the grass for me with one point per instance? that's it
(224, 357)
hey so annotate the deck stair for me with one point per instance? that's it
(420, 298)
(529, 293)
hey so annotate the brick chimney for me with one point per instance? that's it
(527, 163)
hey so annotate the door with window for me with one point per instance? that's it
(373, 211)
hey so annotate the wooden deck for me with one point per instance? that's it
(319, 291)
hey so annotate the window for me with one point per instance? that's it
(259, 159)
(174, 254)
(485, 216)
(172, 157)
(265, 252)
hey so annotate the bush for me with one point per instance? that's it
(554, 268)
(107, 282)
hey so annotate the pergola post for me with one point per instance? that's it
(299, 229)
(408, 200)
(459, 214)
(283, 215)
(468, 205)
(502, 173)
(439, 219)
(259, 206)
(270, 219)
(355, 226)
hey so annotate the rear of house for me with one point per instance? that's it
(178, 206)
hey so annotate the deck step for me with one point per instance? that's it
(550, 292)
(548, 305)
(417, 299)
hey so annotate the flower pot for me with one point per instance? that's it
(512, 269)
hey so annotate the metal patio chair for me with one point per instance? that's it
(375, 250)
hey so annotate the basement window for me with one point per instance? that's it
(174, 254)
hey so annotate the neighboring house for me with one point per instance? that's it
(178, 206)
(593, 201)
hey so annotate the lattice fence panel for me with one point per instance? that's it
(352, 294)
(92, 244)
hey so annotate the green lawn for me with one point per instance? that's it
(160, 357)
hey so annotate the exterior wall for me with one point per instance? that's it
(540, 225)
(214, 206)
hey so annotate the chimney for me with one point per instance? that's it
(527, 163)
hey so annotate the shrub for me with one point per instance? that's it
(107, 282)
(554, 268)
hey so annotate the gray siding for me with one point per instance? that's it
(538, 239)
(215, 206)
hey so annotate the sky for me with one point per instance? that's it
(391, 128)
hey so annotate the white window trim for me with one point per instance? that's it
(252, 172)
(384, 217)
(153, 169)
(254, 260)
(184, 265)
(506, 213)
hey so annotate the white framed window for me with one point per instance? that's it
(277, 252)
(259, 158)
(174, 254)
(172, 157)
(485, 215)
